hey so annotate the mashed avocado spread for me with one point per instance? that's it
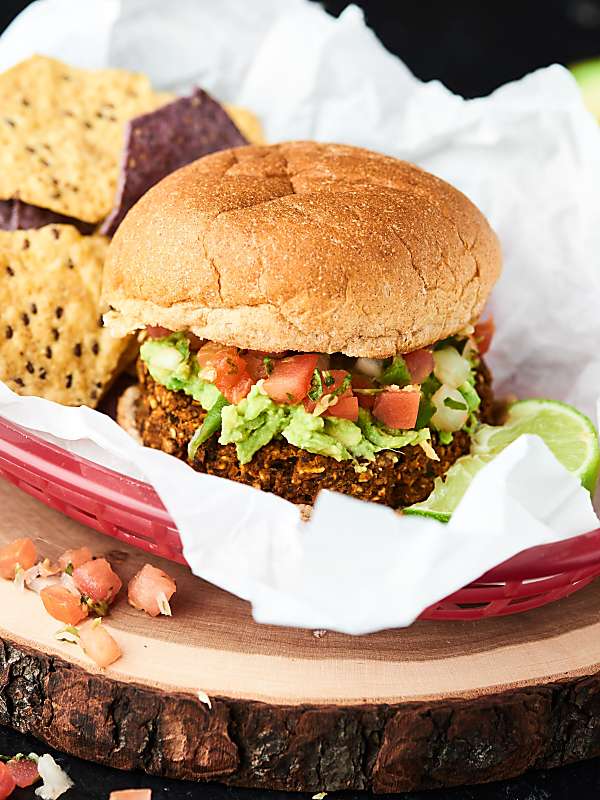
(256, 420)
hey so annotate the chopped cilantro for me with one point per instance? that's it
(328, 378)
(100, 608)
(69, 568)
(344, 385)
(233, 367)
(316, 386)
(268, 362)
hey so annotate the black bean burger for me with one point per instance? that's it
(310, 320)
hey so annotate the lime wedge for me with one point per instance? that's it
(587, 75)
(569, 434)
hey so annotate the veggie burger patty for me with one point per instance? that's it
(167, 420)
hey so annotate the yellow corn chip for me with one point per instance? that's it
(52, 342)
(247, 123)
(61, 133)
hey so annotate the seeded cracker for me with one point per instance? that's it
(61, 133)
(52, 343)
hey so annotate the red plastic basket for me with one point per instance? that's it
(131, 511)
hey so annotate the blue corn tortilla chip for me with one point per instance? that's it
(16, 216)
(160, 142)
(6, 210)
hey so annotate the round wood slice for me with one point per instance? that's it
(437, 704)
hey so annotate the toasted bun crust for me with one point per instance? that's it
(302, 246)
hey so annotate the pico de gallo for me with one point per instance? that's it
(78, 586)
(333, 405)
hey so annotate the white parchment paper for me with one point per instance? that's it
(528, 155)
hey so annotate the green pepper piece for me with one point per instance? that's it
(211, 424)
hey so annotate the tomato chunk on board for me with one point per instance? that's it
(76, 557)
(63, 605)
(21, 553)
(146, 587)
(397, 409)
(97, 580)
(24, 771)
(7, 782)
(97, 643)
(290, 379)
(420, 364)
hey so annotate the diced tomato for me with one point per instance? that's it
(63, 605)
(331, 381)
(339, 376)
(484, 333)
(146, 586)
(7, 782)
(290, 379)
(157, 331)
(75, 557)
(397, 409)
(195, 341)
(97, 580)
(226, 368)
(363, 382)
(255, 364)
(21, 552)
(420, 364)
(24, 771)
(99, 645)
(345, 408)
(131, 794)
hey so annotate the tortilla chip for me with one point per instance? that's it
(61, 133)
(6, 215)
(248, 123)
(158, 143)
(16, 216)
(52, 342)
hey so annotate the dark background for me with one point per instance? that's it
(473, 46)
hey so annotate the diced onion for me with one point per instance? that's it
(445, 418)
(69, 584)
(36, 578)
(204, 698)
(450, 367)
(371, 367)
(19, 580)
(163, 604)
(56, 781)
(428, 450)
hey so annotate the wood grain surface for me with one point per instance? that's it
(438, 704)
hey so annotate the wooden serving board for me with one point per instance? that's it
(438, 704)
